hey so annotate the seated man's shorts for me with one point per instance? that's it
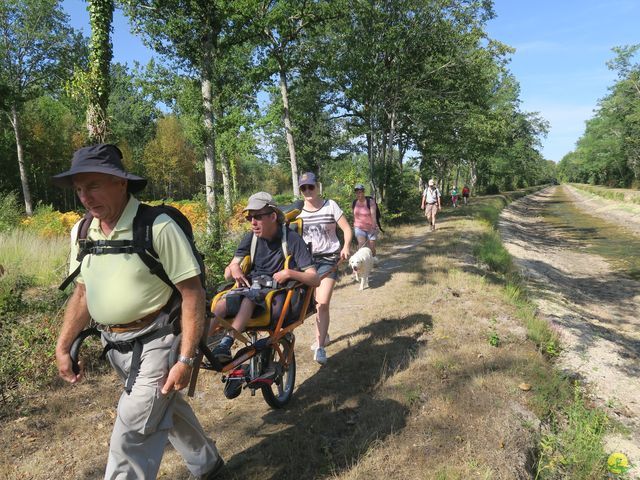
(235, 296)
(367, 235)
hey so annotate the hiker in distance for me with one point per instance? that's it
(431, 203)
(321, 217)
(134, 309)
(265, 244)
(365, 214)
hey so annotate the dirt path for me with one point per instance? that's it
(413, 388)
(595, 308)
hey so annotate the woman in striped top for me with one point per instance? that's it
(320, 219)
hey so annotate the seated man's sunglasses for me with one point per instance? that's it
(257, 216)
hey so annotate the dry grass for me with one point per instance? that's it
(412, 390)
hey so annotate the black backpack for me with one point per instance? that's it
(142, 242)
(378, 214)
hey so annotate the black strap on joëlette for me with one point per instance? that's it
(136, 345)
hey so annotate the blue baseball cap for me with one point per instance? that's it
(307, 178)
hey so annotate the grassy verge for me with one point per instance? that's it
(29, 304)
(571, 443)
(618, 194)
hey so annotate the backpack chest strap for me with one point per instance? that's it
(106, 247)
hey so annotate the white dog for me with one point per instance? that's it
(362, 262)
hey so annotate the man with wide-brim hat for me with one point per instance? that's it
(265, 244)
(131, 305)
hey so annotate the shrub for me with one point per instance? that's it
(48, 222)
(491, 252)
(9, 212)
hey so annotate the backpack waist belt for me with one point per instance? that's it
(136, 345)
(133, 326)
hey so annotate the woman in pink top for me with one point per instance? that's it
(364, 219)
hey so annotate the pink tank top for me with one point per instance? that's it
(362, 216)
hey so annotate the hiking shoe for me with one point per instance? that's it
(222, 352)
(376, 261)
(211, 474)
(320, 356)
(327, 341)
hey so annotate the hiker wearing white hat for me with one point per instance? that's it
(431, 203)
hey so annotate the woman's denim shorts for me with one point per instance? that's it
(325, 263)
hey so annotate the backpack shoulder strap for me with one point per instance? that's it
(368, 202)
(83, 231)
(254, 247)
(143, 241)
(285, 244)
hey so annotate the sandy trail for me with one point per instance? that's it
(595, 309)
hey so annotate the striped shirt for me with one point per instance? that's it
(319, 228)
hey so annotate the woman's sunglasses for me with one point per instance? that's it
(359, 190)
(304, 188)
(256, 216)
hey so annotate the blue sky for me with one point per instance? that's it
(561, 50)
(560, 61)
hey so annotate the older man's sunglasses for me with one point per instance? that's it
(304, 188)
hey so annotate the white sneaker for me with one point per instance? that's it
(320, 356)
(314, 346)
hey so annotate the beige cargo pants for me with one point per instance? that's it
(146, 419)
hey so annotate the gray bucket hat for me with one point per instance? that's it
(260, 200)
(102, 158)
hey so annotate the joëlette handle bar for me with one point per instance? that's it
(74, 351)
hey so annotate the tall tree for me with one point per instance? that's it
(192, 34)
(36, 46)
(100, 55)
(283, 24)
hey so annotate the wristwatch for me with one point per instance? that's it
(187, 360)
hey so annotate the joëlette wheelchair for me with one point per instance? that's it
(267, 360)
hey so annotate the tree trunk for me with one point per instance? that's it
(371, 154)
(284, 90)
(209, 149)
(226, 182)
(15, 121)
(473, 175)
(392, 135)
(100, 55)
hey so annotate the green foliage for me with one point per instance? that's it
(217, 255)
(9, 212)
(491, 252)
(573, 449)
(493, 338)
(28, 340)
(169, 160)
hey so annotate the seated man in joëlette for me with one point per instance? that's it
(268, 264)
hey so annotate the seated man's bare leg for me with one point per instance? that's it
(244, 314)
